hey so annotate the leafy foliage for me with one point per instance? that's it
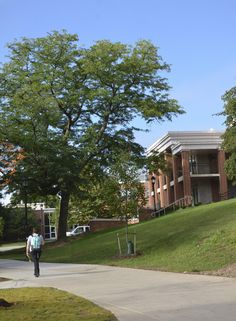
(14, 223)
(10, 155)
(70, 109)
(1, 226)
(118, 193)
(229, 141)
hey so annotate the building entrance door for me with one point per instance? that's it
(49, 228)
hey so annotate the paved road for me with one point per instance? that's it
(134, 295)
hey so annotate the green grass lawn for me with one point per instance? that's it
(49, 304)
(195, 239)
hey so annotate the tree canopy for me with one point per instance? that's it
(229, 141)
(71, 109)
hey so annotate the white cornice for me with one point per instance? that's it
(187, 140)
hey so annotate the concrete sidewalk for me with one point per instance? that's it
(134, 295)
(8, 247)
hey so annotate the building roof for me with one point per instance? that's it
(176, 141)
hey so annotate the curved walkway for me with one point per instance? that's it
(134, 295)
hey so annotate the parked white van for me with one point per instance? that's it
(78, 230)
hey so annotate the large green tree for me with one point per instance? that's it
(229, 137)
(71, 108)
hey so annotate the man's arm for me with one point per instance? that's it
(42, 240)
(28, 246)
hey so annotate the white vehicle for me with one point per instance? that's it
(78, 230)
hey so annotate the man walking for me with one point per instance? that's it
(33, 249)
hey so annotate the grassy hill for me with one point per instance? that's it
(195, 239)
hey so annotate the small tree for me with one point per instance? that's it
(99, 199)
(131, 192)
(106, 199)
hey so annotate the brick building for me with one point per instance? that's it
(195, 170)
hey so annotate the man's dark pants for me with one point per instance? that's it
(36, 253)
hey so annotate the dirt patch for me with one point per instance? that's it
(228, 271)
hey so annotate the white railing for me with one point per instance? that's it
(180, 203)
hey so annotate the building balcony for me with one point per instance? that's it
(203, 168)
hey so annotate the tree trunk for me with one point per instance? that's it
(62, 222)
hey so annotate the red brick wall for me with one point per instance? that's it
(102, 224)
(222, 178)
(145, 214)
(186, 173)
